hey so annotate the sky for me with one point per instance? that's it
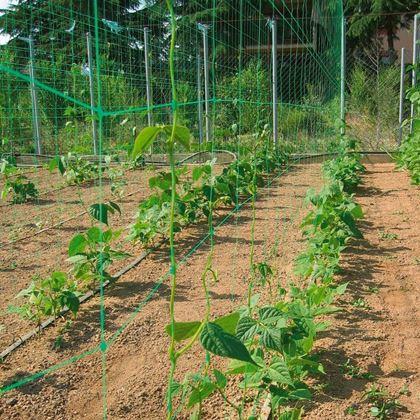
(4, 4)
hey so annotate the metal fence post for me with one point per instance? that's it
(413, 74)
(401, 109)
(200, 107)
(148, 82)
(204, 29)
(92, 92)
(274, 79)
(34, 96)
(343, 77)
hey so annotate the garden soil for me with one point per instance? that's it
(381, 338)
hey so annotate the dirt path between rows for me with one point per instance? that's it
(379, 328)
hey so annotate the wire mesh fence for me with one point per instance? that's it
(79, 81)
(374, 88)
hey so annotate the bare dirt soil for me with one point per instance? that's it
(379, 328)
(46, 251)
(381, 339)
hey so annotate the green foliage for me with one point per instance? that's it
(382, 405)
(256, 100)
(91, 254)
(16, 184)
(196, 193)
(74, 169)
(408, 156)
(273, 354)
(48, 297)
(100, 211)
(346, 167)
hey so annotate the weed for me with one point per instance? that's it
(360, 303)
(355, 371)
(387, 235)
(351, 410)
(382, 405)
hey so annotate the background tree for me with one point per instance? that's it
(367, 17)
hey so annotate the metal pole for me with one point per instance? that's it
(402, 78)
(147, 70)
(413, 76)
(200, 107)
(274, 79)
(343, 77)
(92, 92)
(34, 97)
(205, 28)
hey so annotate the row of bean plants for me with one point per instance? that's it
(408, 156)
(270, 346)
(74, 169)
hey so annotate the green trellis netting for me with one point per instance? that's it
(46, 98)
(87, 76)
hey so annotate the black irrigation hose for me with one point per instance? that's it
(84, 298)
(62, 222)
(136, 262)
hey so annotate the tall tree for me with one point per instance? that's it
(367, 17)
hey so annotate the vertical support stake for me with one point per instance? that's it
(205, 29)
(401, 109)
(413, 74)
(343, 77)
(92, 93)
(200, 106)
(34, 97)
(274, 80)
(148, 82)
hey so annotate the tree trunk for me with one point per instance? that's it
(390, 36)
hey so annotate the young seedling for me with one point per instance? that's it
(16, 184)
(382, 405)
(360, 303)
(387, 235)
(355, 371)
(91, 254)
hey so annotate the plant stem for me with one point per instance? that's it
(172, 352)
(234, 406)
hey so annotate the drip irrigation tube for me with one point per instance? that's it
(130, 266)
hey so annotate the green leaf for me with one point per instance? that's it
(357, 212)
(115, 207)
(94, 234)
(221, 379)
(271, 339)
(217, 341)
(270, 314)
(246, 328)
(200, 394)
(228, 322)
(99, 212)
(181, 134)
(144, 140)
(77, 245)
(183, 330)
(238, 367)
(279, 372)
